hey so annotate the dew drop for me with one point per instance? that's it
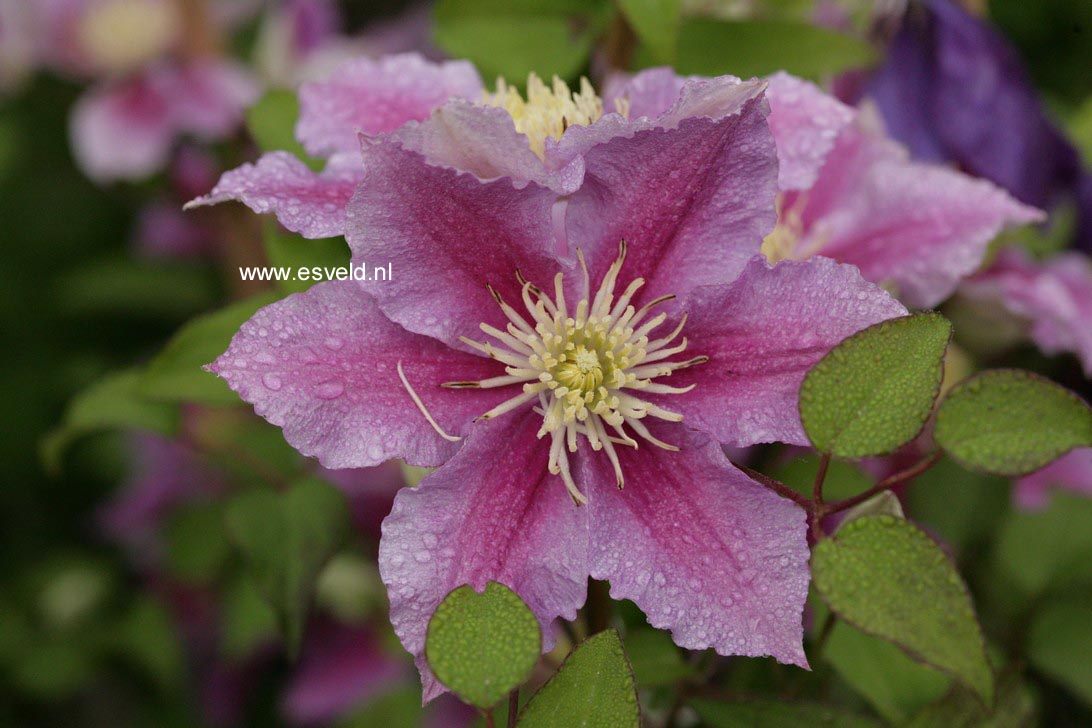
(330, 390)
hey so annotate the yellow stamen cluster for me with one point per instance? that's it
(121, 35)
(549, 110)
(786, 240)
(583, 367)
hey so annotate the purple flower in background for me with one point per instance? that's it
(1053, 297)
(539, 363)
(1071, 472)
(954, 89)
(340, 668)
(166, 475)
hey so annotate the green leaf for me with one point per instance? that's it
(655, 658)
(656, 24)
(594, 688)
(761, 47)
(289, 250)
(1011, 422)
(55, 669)
(959, 708)
(776, 714)
(272, 123)
(177, 373)
(135, 289)
(1041, 550)
(246, 620)
(1058, 644)
(197, 547)
(884, 503)
(515, 38)
(396, 708)
(111, 403)
(148, 636)
(893, 684)
(874, 391)
(249, 449)
(286, 539)
(888, 578)
(483, 645)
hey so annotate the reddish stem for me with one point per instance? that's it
(887, 483)
(780, 488)
(817, 508)
(513, 707)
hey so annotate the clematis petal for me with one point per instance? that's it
(693, 202)
(447, 236)
(323, 365)
(492, 512)
(761, 334)
(701, 548)
(1071, 472)
(307, 202)
(377, 95)
(1054, 297)
(122, 130)
(918, 226)
(805, 123)
(482, 140)
(710, 98)
(649, 93)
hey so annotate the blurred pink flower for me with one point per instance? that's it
(1071, 472)
(127, 128)
(1054, 298)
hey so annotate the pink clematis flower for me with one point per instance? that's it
(148, 92)
(126, 129)
(1054, 298)
(1071, 472)
(850, 193)
(575, 392)
(914, 227)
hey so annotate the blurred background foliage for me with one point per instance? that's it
(88, 637)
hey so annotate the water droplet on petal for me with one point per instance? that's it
(330, 390)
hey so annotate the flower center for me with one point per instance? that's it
(785, 241)
(120, 35)
(549, 110)
(585, 367)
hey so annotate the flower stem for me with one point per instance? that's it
(488, 715)
(513, 707)
(887, 483)
(780, 488)
(818, 510)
